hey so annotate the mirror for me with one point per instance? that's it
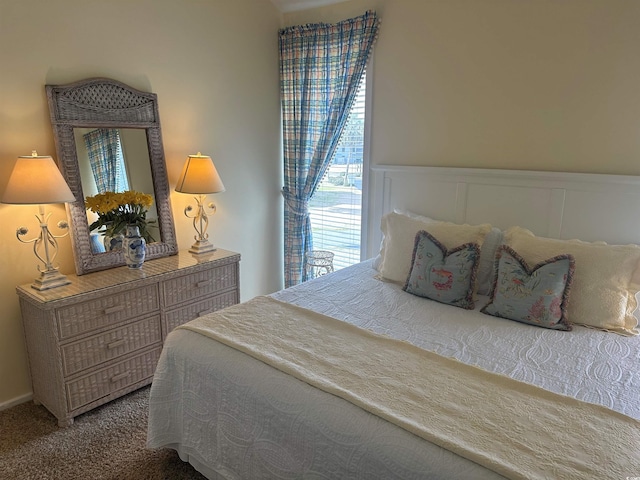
(133, 172)
(83, 107)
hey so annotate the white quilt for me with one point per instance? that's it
(234, 417)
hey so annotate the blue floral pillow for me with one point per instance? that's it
(441, 275)
(537, 296)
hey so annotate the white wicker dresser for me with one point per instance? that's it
(100, 337)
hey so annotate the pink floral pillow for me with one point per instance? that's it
(447, 276)
(537, 296)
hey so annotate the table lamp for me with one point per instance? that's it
(36, 180)
(199, 176)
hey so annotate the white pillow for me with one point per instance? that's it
(377, 262)
(603, 292)
(399, 238)
(486, 265)
(415, 216)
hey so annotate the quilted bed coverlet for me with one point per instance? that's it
(296, 428)
(516, 429)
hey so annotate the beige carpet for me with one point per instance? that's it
(105, 444)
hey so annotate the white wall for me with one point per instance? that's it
(214, 66)
(533, 84)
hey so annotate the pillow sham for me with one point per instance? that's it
(377, 262)
(447, 276)
(604, 287)
(537, 296)
(486, 265)
(399, 240)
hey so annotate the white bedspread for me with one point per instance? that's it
(590, 365)
(235, 417)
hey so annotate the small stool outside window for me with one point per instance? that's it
(318, 262)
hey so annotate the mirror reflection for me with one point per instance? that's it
(76, 110)
(114, 160)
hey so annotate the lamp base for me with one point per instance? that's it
(202, 246)
(50, 279)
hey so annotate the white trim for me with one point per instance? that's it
(461, 201)
(286, 6)
(488, 175)
(551, 204)
(366, 158)
(16, 401)
(558, 198)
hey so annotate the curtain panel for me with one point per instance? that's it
(320, 70)
(106, 159)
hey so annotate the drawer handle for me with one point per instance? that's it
(120, 376)
(204, 283)
(115, 309)
(116, 344)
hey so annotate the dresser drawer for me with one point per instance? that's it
(94, 314)
(101, 336)
(109, 380)
(194, 310)
(199, 284)
(94, 350)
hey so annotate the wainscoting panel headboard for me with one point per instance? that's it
(589, 207)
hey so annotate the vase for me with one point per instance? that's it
(134, 247)
(113, 243)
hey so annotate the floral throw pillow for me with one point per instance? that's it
(447, 276)
(537, 296)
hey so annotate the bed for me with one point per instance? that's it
(235, 409)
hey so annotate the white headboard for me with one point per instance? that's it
(560, 205)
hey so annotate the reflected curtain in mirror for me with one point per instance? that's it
(107, 160)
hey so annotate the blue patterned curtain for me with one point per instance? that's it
(320, 70)
(107, 161)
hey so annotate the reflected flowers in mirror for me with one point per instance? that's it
(116, 210)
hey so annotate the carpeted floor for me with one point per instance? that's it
(107, 443)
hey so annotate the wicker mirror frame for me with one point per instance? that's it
(102, 102)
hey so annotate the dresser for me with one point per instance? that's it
(100, 337)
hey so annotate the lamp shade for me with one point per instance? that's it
(199, 176)
(36, 180)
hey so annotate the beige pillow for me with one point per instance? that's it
(399, 238)
(604, 285)
(377, 262)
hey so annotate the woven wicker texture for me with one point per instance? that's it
(101, 102)
(195, 310)
(118, 376)
(182, 289)
(89, 101)
(115, 343)
(106, 311)
(99, 337)
(44, 357)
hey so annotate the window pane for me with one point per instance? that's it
(336, 207)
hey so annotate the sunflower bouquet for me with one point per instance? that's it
(117, 210)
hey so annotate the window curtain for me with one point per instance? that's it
(320, 70)
(106, 159)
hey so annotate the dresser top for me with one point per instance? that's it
(180, 264)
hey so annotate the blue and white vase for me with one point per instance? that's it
(134, 247)
(113, 243)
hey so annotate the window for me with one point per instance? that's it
(336, 207)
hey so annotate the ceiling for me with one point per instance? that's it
(293, 5)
